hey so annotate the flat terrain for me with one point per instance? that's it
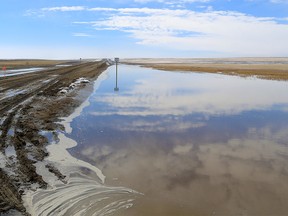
(15, 64)
(263, 68)
(33, 103)
(30, 105)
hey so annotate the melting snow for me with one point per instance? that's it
(73, 85)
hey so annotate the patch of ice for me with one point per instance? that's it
(10, 151)
(46, 81)
(20, 71)
(81, 80)
(64, 90)
(13, 92)
(3, 161)
(73, 85)
(64, 65)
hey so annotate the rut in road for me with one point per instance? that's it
(31, 103)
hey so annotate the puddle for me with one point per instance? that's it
(11, 132)
(192, 143)
(12, 93)
(10, 152)
(22, 71)
(51, 137)
(64, 65)
(19, 71)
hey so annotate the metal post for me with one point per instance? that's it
(116, 61)
(116, 75)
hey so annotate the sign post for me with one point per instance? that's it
(116, 61)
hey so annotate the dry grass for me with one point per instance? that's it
(14, 64)
(263, 71)
(264, 68)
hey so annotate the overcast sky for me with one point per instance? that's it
(64, 29)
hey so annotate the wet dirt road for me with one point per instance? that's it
(30, 104)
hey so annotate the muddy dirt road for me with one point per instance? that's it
(30, 104)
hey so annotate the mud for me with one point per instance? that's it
(30, 104)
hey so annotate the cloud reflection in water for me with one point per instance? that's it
(194, 144)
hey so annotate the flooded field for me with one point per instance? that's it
(189, 143)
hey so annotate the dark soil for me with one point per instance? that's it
(31, 103)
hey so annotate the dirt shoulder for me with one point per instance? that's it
(31, 105)
(263, 68)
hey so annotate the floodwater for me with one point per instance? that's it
(190, 143)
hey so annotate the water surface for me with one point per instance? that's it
(192, 143)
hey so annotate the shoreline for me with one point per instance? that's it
(78, 179)
(263, 68)
(32, 112)
(32, 108)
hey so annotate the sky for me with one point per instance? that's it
(73, 29)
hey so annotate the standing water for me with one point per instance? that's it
(189, 143)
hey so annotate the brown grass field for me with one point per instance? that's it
(263, 68)
(15, 64)
(272, 72)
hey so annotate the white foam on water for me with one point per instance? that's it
(58, 153)
(80, 196)
(80, 193)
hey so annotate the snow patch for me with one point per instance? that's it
(74, 85)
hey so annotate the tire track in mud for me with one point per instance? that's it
(18, 82)
(24, 115)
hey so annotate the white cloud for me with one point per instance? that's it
(65, 8)
(81, 35)
(224, 32)
(172, 1)
(279, 1)
(217, 31)
(210, 96)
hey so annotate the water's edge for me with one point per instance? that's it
(83, 191)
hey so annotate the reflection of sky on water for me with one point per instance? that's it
(192, 143)
(158, 93)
